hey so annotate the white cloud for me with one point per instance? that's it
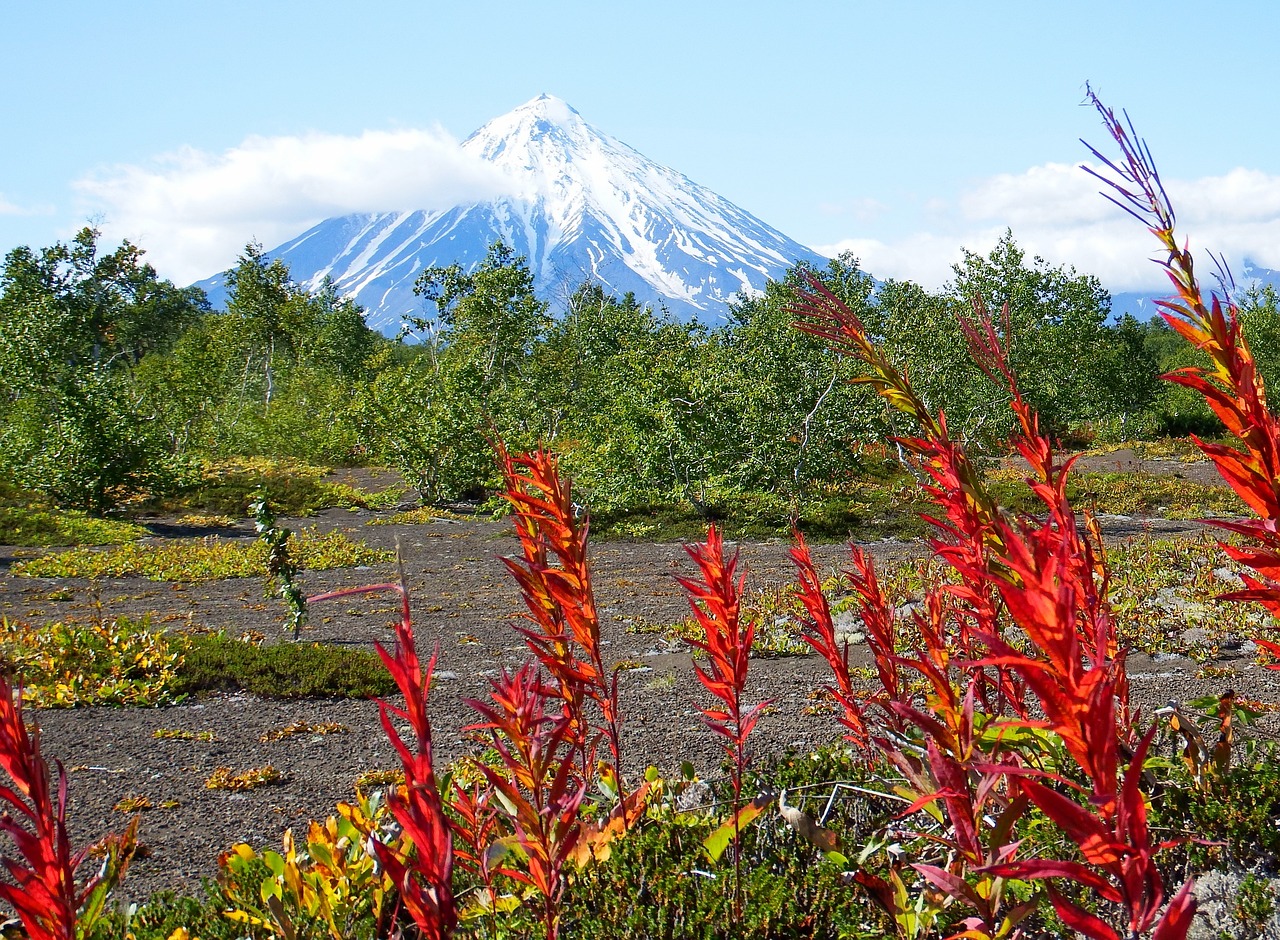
(921, 257)
(1055, 211)
(194, 211)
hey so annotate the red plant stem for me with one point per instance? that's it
(424, 881)
(476, 830)
(43, 890)
(537, 782)
(819, 633)
(1051, 582)
(968, 537)
(726, 643)
(1232, 386)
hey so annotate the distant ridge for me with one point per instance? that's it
(581, 205)
(1143, 306)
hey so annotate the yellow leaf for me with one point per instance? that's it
(718, 841)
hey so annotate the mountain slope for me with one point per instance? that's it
(581, 205)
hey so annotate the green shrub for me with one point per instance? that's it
(1236, 816)
(165, 915)
(656, 884)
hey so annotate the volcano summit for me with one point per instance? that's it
(579, 205)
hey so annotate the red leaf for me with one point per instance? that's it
(1080, 920)
(1176, 922)
(1037, 869)
(952, 884)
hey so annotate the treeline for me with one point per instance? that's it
(113, 381)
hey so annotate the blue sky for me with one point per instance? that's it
(899, 130)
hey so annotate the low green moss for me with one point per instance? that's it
(870, 512)
(890, 507)
(127, 662)
(293, 487)
(29, 520)
(209, 559)
(1167, 496)
(220, 663)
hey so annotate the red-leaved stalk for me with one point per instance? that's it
(967, 535)
(1046, 578)
(1231, 384)
(555, 581)
(1053, 583)
(41, 886)
(1119, 862)
(537, 783)
(820, 633)
(726, 643)
(937, 745)
(423, 878)
(982, 814)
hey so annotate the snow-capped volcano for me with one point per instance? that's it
(580, 205)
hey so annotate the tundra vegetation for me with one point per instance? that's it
(994, 780)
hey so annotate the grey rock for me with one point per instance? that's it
(1215, 894)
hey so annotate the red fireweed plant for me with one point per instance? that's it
(1119, 861)
(1232, 385)
(1048, 579)
(423, 877)
(726, 644)
(42, 888)
(981, 813)
(536, 784)
(968, 537)
(555, 581)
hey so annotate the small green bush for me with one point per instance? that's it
(656, 884)
(1236, 815)
(163, 915)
